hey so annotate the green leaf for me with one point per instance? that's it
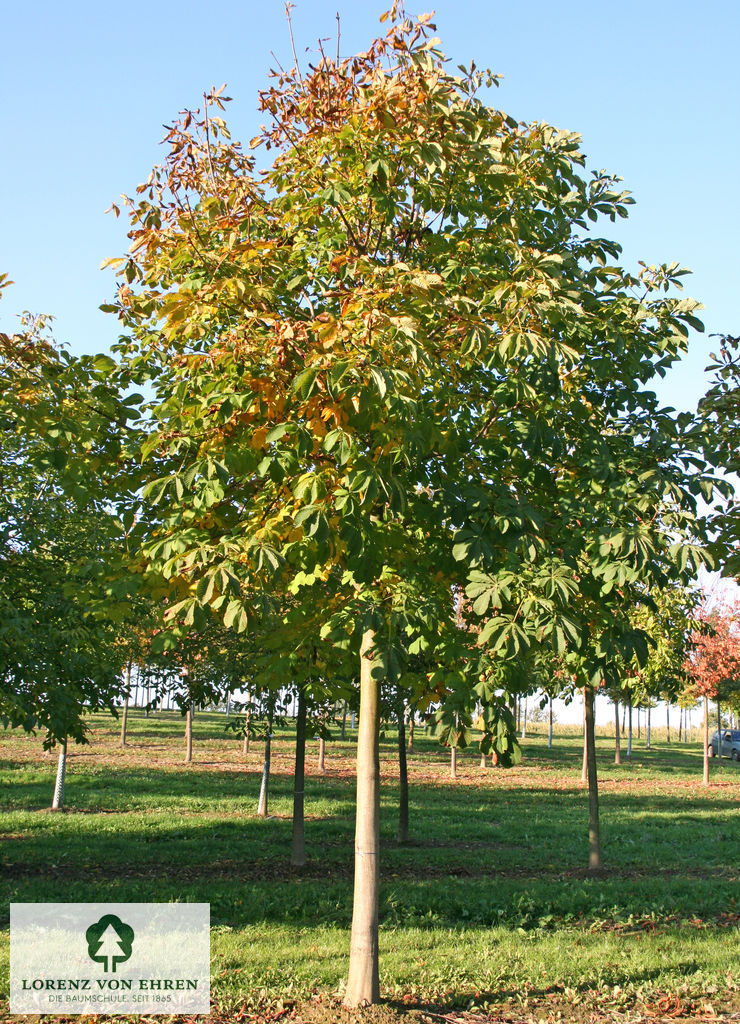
(305, 382)
(278, 431)
(380, 381)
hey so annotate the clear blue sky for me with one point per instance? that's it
(87, 86)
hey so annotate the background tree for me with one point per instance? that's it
(720, 409)
(59, 658)
(714, 666)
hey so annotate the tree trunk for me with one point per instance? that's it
(189, 733)
(124, 720)
(322, 756)
(629, 728)
(549, 727)
(344, 720)
(667, 722)
(411, 731)
(706, 741)
(624, 719)
(594, 843)
(363, 983)
(719, 731)
(524, 720)
(453, 762)
(584, 766)
(638, 723)
(298, 850)
(617, 746)
(403, 779)
(483, 762)
(245, 744)
(647, 731)
(265, 784)
(57, 804)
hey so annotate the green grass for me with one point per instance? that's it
(489, 901)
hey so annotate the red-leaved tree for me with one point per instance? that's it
(714, 665)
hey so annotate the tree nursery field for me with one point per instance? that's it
(487, 912)
(379, 438)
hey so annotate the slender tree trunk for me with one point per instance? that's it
(719, 731)
(667, 722)
(453, 762)
(680, 724)
(706, 741)
(124, 722)
(411, 730)
(363, 983)
(624, 719)
(322, 756)
(124, 718)
(265, 784)
(647, 744)
(594, 842)
(189, 733)
(483, 761)
(518, 706)
(524, 720)
(403, 779)
(617, 746)
(549, 727)
(247, 720)
(584, 767)
(638, 724)
(344, 720)
(629, 728)
(57, 803)
(298, 850)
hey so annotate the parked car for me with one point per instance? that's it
(730, 744)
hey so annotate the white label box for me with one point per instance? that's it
(68, 958)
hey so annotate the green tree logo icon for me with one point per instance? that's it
(109, 941)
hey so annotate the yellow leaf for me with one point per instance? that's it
(258, 437)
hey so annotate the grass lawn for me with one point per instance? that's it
(488, 911)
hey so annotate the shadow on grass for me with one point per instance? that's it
(483, 856)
